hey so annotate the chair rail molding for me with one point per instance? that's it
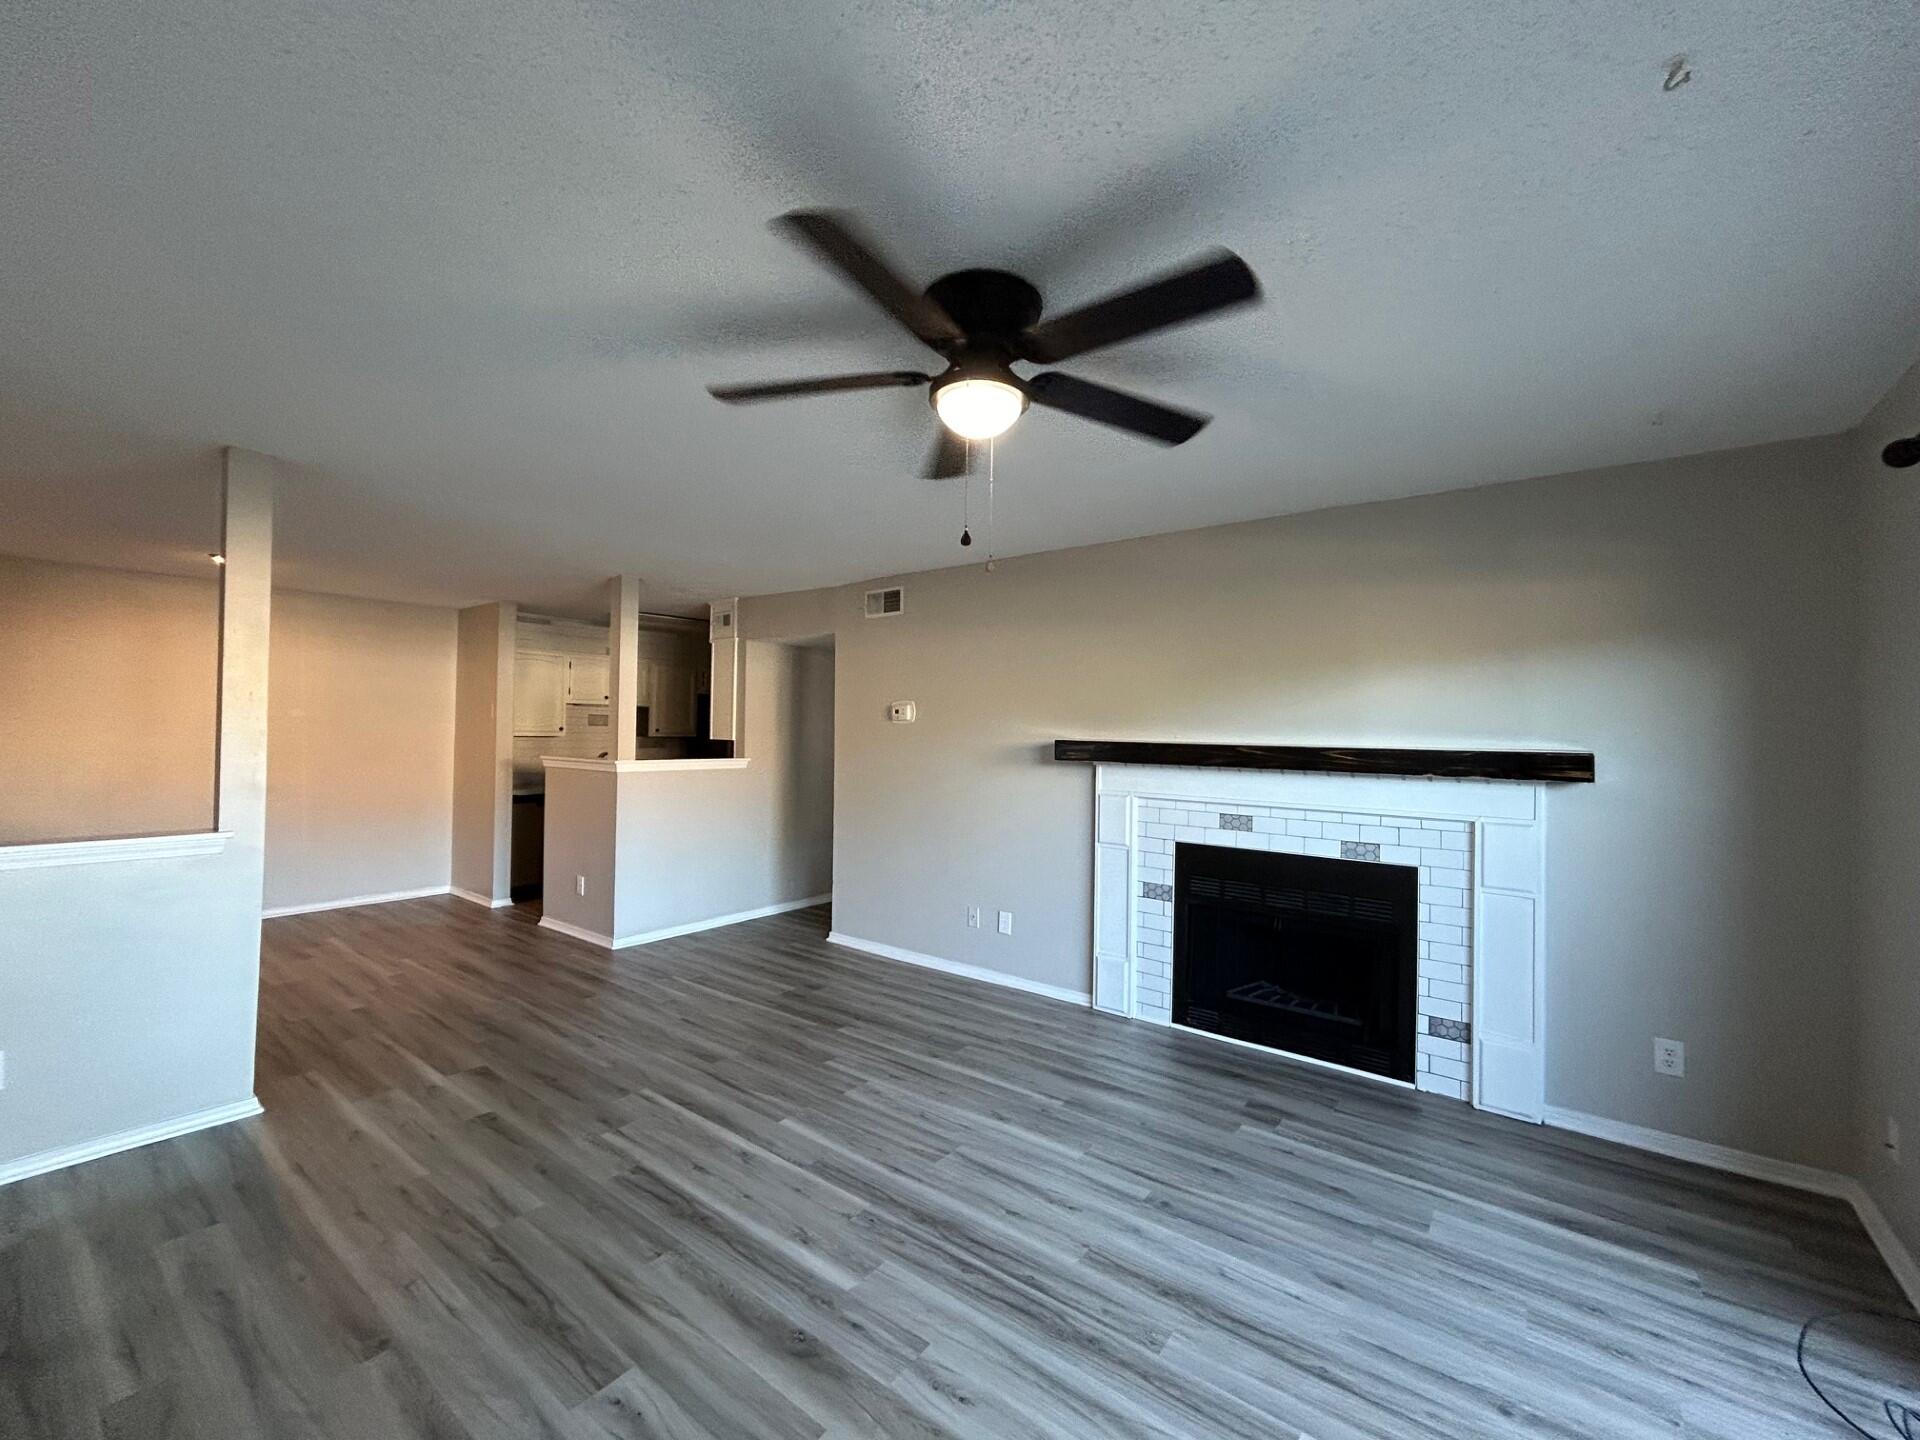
(120, 850)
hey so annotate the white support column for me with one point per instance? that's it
(240, 759)
(246, 602)
(483, 755)
(623, 686)
(723, 688)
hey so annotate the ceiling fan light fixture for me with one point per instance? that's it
(977, 408)
(982, 321)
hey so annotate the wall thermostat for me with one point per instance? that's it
(901, 712)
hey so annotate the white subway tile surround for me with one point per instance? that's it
(1444, 973)
(1437, 827)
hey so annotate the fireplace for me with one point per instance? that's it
(1476, 852)
(1300, 953)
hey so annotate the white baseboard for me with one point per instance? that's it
(592, 937)
(692, 927)
(1899, 1259)
(478, 899)
(954, 967)
(50, 1160)
(1758, 1167)
(352, 900)
(1701, 1152)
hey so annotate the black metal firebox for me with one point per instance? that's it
(1297, 952)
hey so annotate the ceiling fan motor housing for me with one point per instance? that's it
(990, 306)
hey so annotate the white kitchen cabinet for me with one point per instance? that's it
(539, 694)
(589, 680)
(669, 698)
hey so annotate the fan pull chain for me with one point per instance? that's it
(989, 506)
(966, 500)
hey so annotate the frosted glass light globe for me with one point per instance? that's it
(978, 409)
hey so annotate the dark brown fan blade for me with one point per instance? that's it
(1114, 407)
(951, 457)
(836, 239)
(1188, 294)
(824, 385)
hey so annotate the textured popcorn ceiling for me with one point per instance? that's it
(469, 265)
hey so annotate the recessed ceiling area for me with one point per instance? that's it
(469, 267)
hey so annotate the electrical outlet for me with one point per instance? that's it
(973, 917)
(580, 885)
(1670, 1057)
(1892, 1142)
(1006, 922)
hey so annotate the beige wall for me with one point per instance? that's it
(107, 702)
(360, 749)
(107, 695)
(1889, 823)
(1691, 622)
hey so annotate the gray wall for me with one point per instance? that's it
(579, 840)
(1689, 621)
(662, 847)
(694, 844)
(1889, 823)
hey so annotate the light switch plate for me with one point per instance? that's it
(1006, 922)
(902, 712)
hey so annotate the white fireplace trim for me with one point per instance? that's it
(1505, 826)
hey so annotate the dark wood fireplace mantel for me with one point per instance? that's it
(1574, 767)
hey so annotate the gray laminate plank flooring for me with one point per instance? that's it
(747, 1184)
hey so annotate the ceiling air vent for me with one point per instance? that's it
(890, 601)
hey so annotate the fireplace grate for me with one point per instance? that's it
(1278, 997)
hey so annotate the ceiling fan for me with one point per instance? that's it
(983, 321)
